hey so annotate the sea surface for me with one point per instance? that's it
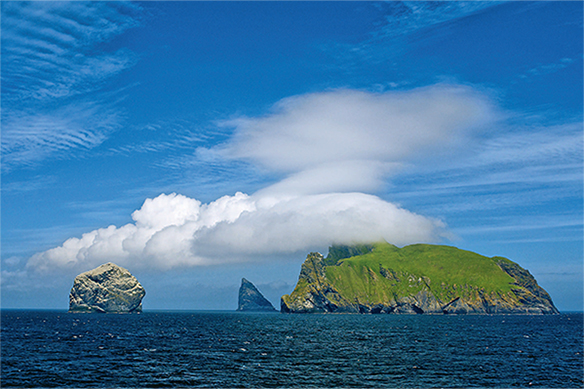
(231, 349)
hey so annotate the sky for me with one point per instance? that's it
(197, 143)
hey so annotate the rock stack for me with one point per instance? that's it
(106, 289)
(251, 300)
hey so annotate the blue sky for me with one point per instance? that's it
(196, 143)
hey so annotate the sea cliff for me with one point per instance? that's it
(382, 278)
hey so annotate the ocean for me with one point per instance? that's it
(233, 349)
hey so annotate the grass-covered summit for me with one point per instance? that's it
(421, 278)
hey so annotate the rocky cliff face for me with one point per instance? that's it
(251, 300)
(415, 279)
(106, 289)
(314, 292)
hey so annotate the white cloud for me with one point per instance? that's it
(341, 176)
(175, 231)
(348, 140)
(329, 147)
(278, 225)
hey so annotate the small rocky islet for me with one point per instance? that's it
(108, 288)
(251, 300)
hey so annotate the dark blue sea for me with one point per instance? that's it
(230, 349)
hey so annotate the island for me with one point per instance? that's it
(416, 279)
(107, 289)
(251, 300)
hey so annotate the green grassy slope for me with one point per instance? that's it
(419, 278)
(389, 271)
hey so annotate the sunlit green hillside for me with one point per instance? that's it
(420, 278)
(389, 270)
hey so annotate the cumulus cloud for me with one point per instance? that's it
(299, 223)
(329, 147)
(173, 230)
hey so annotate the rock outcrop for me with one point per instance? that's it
(416, 279)
(251, 300)
(107, 289)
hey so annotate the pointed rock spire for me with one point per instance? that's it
(251, 300)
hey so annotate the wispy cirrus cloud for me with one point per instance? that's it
(48, 48)
(176, 135)
(548, 68)
(523, 179)
(53, 74)
(532, 155)
(402, 20)
(29, 136)
(406, 17)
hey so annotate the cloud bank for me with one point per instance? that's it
(172, 230)
(329, 148)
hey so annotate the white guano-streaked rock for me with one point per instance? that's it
(108, 288)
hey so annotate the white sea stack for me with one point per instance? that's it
(108, 288)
